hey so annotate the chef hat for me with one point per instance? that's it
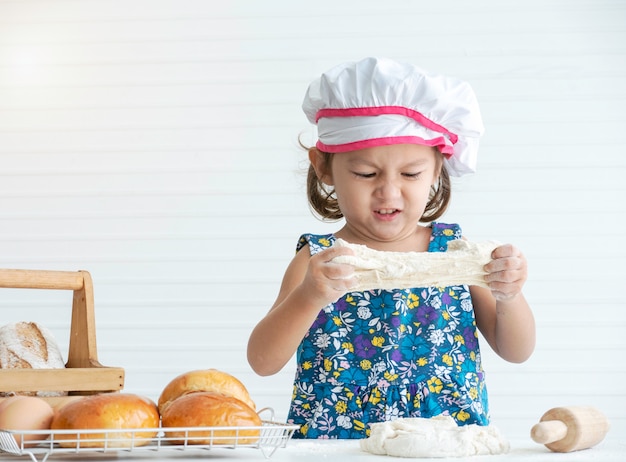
(375, 102)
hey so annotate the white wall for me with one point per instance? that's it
(154, 144)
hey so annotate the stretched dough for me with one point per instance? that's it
(438, 436)
(462, 264)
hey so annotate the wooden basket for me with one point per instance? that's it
(83, 374)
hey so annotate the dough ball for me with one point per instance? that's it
(438, 437)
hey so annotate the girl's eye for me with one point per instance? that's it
(365, 175)
(412, 175)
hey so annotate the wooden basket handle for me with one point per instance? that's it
(41, 279)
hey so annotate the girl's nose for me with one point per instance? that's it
(388, 188)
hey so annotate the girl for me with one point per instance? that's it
(389, 137)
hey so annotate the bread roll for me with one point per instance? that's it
(107, 411)
(28, 345)
(204, 380)
(208, 409)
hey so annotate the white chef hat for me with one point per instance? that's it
(376, 102)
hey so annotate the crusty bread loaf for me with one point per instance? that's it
(28, 345)
(209, 409)
(107, 411)
(204, 380)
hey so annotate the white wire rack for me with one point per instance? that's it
(43, 443)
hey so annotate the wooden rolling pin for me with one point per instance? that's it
(571, 428)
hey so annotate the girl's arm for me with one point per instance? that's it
(502, 313)
(310, 283)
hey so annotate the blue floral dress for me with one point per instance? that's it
(379, 355)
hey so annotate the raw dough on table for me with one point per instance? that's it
(462, 264)
(438, 436)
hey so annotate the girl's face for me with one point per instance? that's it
(383, 191)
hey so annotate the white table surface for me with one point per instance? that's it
(611, 449)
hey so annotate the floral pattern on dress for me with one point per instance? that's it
(379, 355)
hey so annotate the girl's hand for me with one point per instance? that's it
(507, 272)
(325, 280)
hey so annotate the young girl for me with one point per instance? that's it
(389, 137)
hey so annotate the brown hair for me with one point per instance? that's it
(323, 201)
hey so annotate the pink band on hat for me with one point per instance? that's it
(440, 143)
(383, 110)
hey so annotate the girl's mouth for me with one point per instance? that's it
(387, 213)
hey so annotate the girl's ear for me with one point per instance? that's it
(321, 165)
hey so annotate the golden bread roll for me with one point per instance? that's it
(204, 380)
(28, 345)
(107, 411)
(208, 409)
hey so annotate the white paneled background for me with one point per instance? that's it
(154, 144)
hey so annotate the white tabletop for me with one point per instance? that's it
(344, 450)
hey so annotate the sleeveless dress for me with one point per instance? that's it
(379, 355)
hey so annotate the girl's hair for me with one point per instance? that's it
(323, 200)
